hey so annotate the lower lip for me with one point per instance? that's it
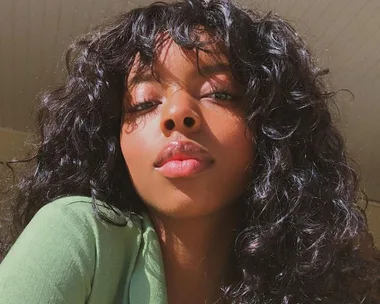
(183, 168)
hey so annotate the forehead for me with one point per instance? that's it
(211, 52)
(169, 56)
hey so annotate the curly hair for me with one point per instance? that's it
(304, 238)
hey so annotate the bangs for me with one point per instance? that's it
(203, 44)
(202, 31)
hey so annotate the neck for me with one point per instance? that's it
(196, 254)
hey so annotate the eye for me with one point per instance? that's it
(221, 95)
(143, 106)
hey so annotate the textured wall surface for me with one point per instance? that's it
(344, 34)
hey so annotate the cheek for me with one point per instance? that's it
(234, 138)
(237, 151)
(134, 146)
(138, 138)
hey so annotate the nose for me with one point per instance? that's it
(180, 114)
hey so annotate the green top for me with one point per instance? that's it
(67, 256)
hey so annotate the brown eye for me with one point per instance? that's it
(221, 96)
(143, 106)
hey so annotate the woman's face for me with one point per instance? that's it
(184, 138)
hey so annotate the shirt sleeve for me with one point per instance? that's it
(52, 261)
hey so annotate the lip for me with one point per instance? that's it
(182, 159)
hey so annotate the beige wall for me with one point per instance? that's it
(373, 215)
(11, 144)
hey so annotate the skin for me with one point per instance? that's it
(194, 216)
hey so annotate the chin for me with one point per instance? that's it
(187, 208)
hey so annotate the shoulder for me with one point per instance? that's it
(73, 209)
(87, 210)
(69, 254)
(84, 207)
(78, 213)
(115, 248)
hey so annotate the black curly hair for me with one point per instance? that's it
(304, 240)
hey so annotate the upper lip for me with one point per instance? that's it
(181, 150)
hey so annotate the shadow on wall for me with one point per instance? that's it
(373, 215)
(11, 144)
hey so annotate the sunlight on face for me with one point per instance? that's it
(184, 135)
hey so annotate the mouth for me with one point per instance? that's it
(182, 159)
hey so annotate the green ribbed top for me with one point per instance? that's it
(67, 256)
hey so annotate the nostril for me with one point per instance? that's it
(189, 122)
(169, 124)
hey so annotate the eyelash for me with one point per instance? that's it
(144, 106)
(149, 104)
(225, 93)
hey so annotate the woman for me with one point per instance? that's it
(190, 157)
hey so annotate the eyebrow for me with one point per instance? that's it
(142, 77)
(206, 70)
(214, 69)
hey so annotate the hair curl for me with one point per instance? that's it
(304, 236)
